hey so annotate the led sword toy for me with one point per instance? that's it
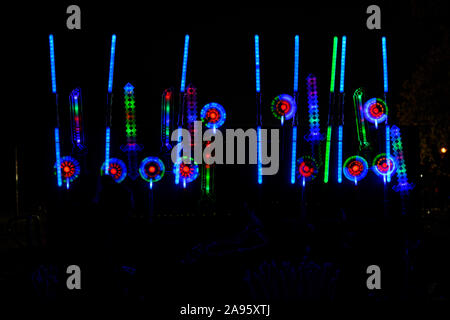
(295, 120)
(54, 91)
(258, 109)
(341, 108)
(181, 103)
(109, 104)
(330, 111)
(385, 87)
(76, 117)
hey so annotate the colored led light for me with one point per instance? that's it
(185, 58)
(76, 117)
(152, 169)
(375, 110)
(388, 148)
(188, 172)
(293, 153)
(69, 169)
(283, 107)
(111, 63)
(259, 156)
(383, 165)
(327, 156)
(177, 172)
(107, 147)
(385, 72)
(344, 47)
(397, 151)
(307, 168)
(340, 137)
(257, 66)
(52, 62)
(355, 168)
(115, 168)
(58, 157)
(333, 64)
(130, 106)
(296, 58)
(213, 115)
(191, 104)
(313, 109)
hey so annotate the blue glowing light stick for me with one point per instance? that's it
(258, 108)
(385, 72)
(57, 141)
(342, 78)
(340, 137)
(185, 58)
(294, 123)
(109, 104)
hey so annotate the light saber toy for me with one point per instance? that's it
(330, 111)
(76, 119)
(109, 105)
(181, 104)
(295, 121)
(361, 125)
(166, 107)
(56, 131)
(341, 107)
(385, 87)
(258, 109)
(131, 147)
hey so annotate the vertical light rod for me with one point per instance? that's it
(344, 47)
(185, 58)
(339, 164)
(111, 63)
(293, 153)
(52, 62)
(259, 156)
(107, 149)
(333, 64)
(58, 158)
(388, 151)
(385, 72)
(296, 56)
(257, 67)
(327, 155)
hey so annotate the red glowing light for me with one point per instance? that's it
(66, 169)
(186, 169)
(152, 169)
(113, 171)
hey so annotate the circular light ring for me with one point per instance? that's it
(117, 169)
(307, 168)
(152, 169)
(187, 171)
(375, 110)
(355, 168)
(70, 168)
(283, 105)
(383, 166)
(213, 115)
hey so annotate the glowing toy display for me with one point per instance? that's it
(116, 169)
(383, 165)
(152, 169)
(69, 169)
(131, 148)
(213, 115)
(57, 138)
(283, 107)
(375, 111)
(307, 169)
(355, 168)
(109, 102)
(313, 108)
(187, 172)
(330, 119)
(403, 185)
(76, 116)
